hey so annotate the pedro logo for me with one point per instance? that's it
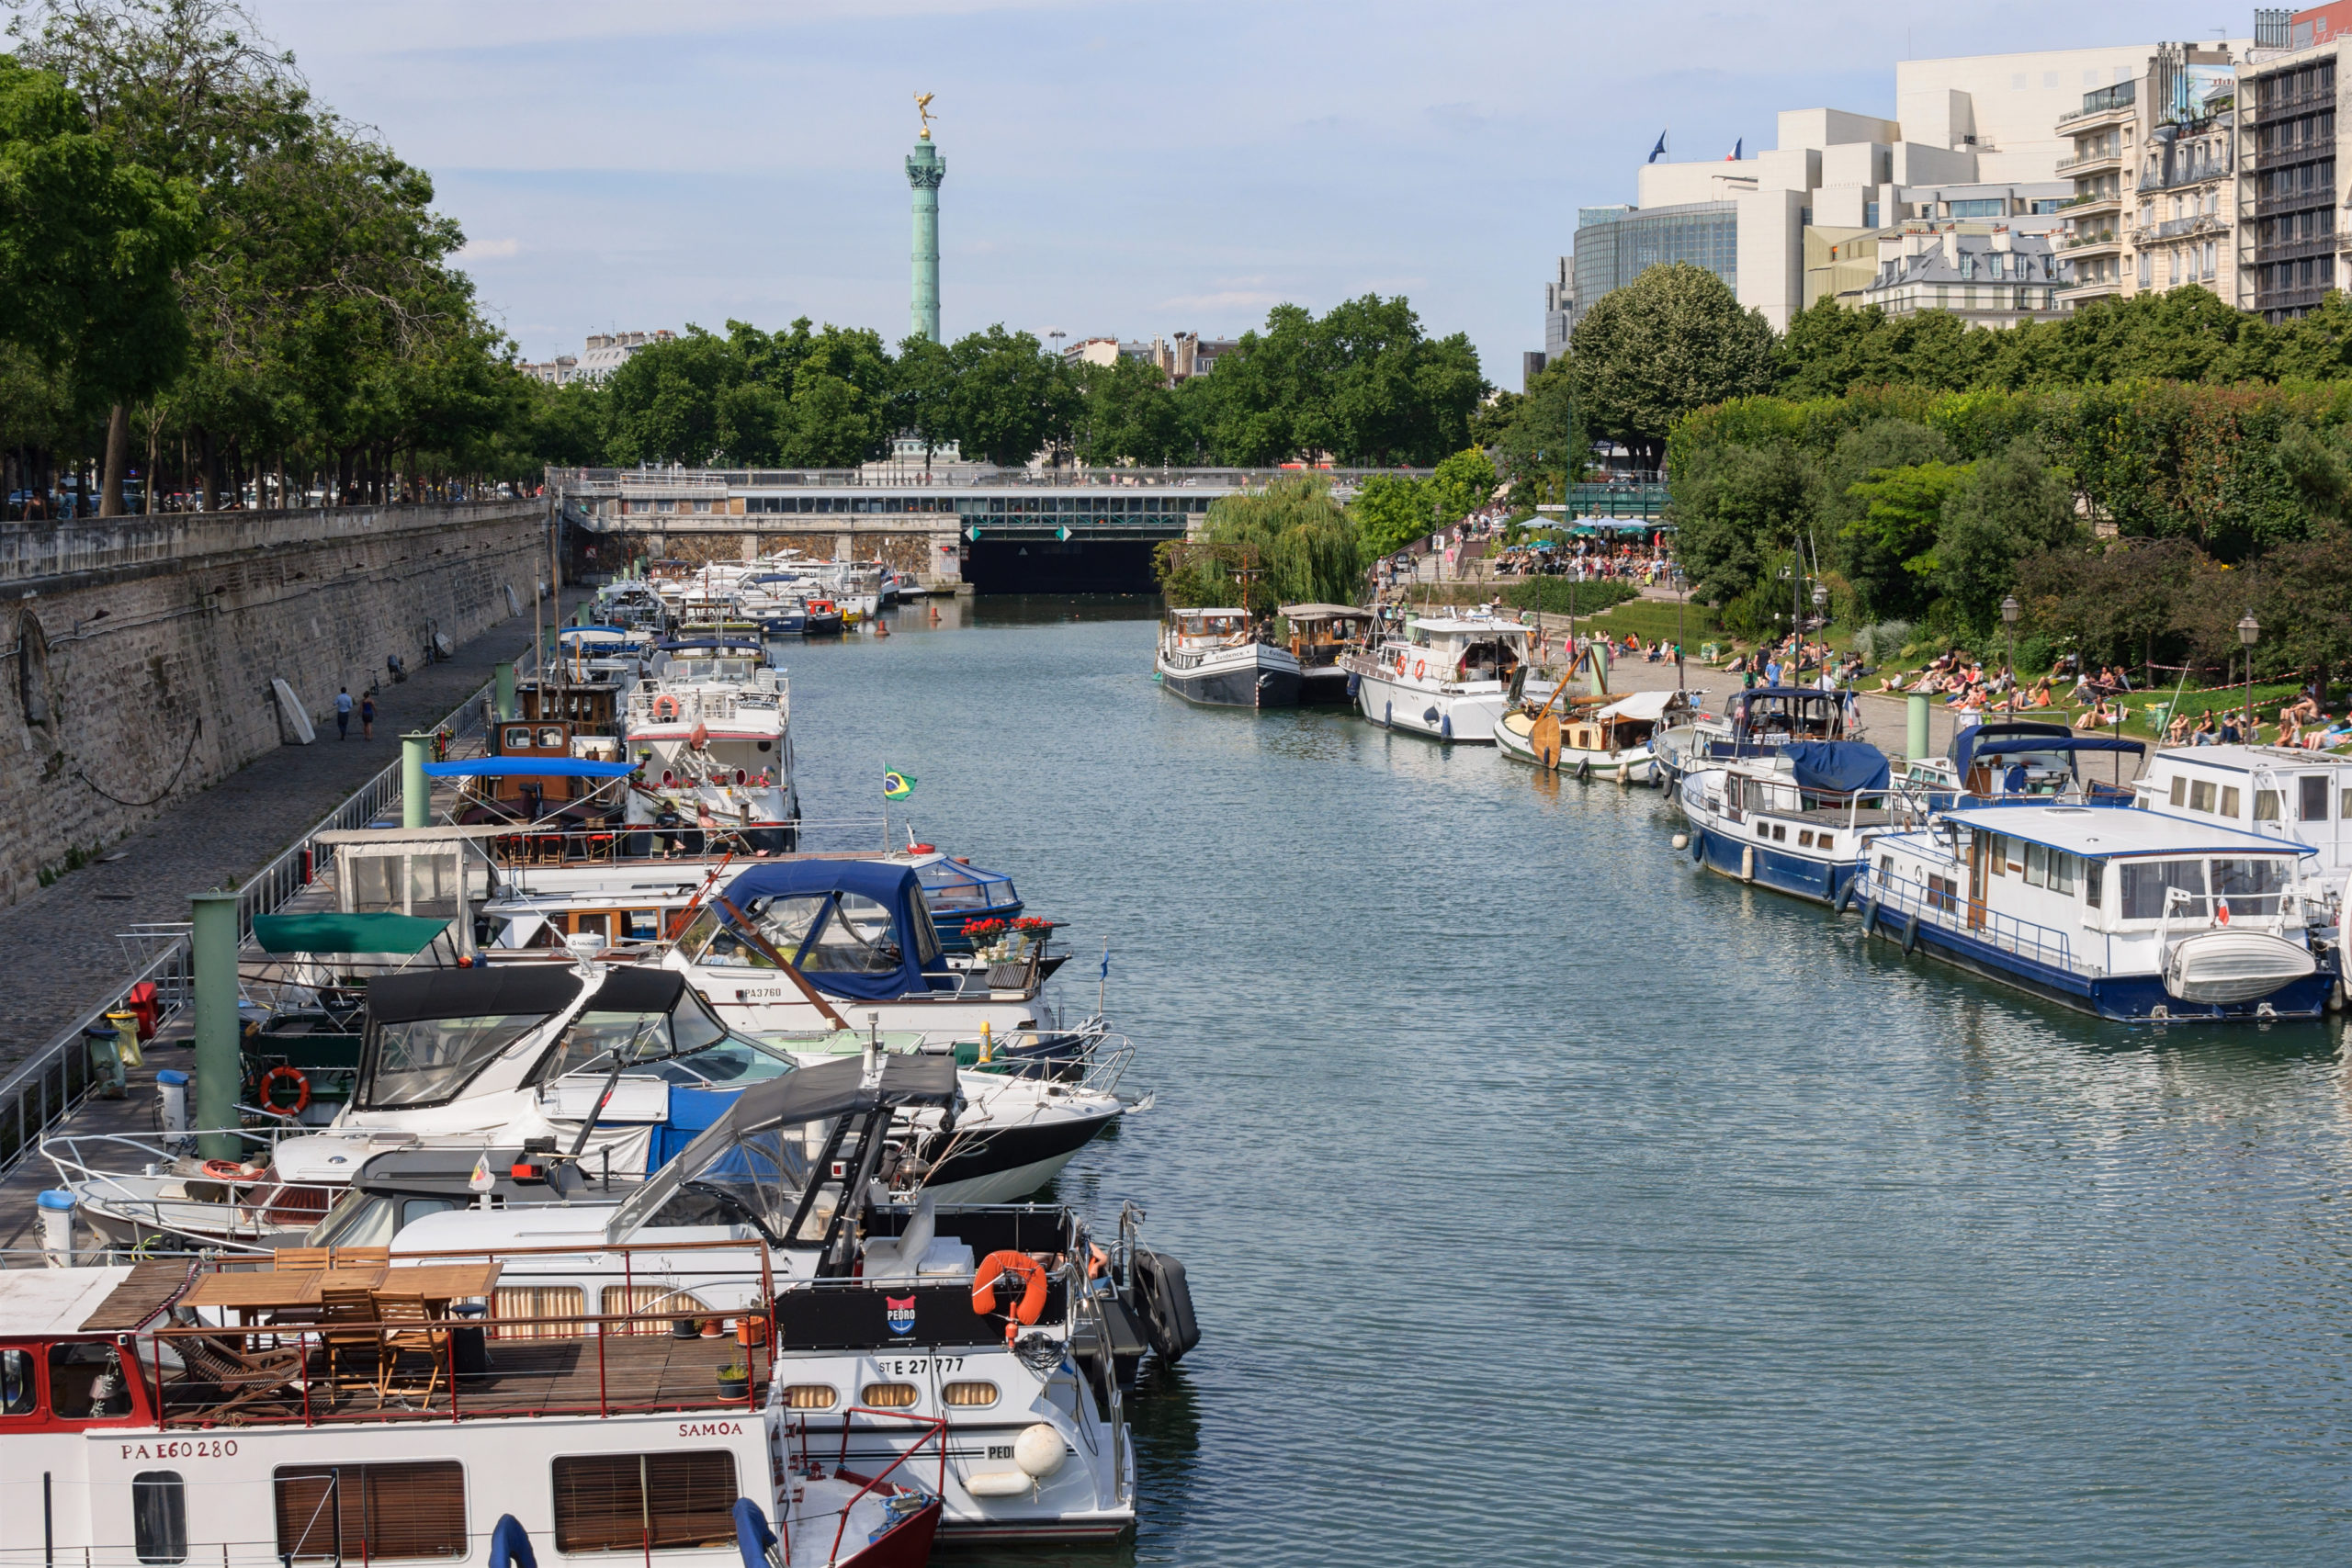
(899, 1312)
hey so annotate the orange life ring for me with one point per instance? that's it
(1420, 667)
(228, 1170)
(994, 1266)
(277, 1075)
(665, 707)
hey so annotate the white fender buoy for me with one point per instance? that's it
(1039, 1450)
(1747, 863)
(998, 1484)
(1681, 840)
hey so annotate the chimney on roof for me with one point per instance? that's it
(2001, 238)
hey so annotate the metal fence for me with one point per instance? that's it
(715, 482)
(42, 1091)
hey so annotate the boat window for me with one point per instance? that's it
(159, 1515)
(1995, 857)
(359, 1218)
(1826, 841)
(969, 1396)
(810, 1396)
(369, 1512)
(887, 1395)
(2250, 887)
(16, 1396)
(2037, 865)
(2093, 880)
(641, 925)
(426, 1061)
(2200, 796)
(639, 1503)
(763, 1171)
(1805, 839)
(2344, 806)
(2179, 789)
(786, 922)
(861, 939)
(2312, 789)
(2062, 871)
(2146, 881)
(2266, 805)
(2229, 800)
(86, 1383)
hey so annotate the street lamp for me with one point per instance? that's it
(2249, 631)
(2009, 619)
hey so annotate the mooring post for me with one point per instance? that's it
(1915, 742)
(506, 689)
(212, 941)
(416, 797)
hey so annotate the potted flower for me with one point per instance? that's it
(734, 1381)
(987, 939)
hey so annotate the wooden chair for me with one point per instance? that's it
(348, 1327)
(407, 1329)
(362, 1257)
(242, 1378)
(297, 1259)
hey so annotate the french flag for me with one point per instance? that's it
(1738, 148)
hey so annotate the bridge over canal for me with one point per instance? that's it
(1073, 530)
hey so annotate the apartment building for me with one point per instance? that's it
(1988, 275)
(2155, 163)
(2290, 231)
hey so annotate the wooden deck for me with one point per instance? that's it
(615, 1374)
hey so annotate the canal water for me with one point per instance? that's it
(1547, 1201)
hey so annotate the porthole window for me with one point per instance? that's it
(810, 1396)
(887, 1395)
(969, 1396)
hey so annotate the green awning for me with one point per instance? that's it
(329, 932)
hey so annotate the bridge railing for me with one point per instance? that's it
(719, 482)
(34, 550)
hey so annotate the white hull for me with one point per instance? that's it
(1635, 766)
(1466, 712)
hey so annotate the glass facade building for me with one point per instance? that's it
(1616, 245)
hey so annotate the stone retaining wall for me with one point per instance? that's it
(139, 658)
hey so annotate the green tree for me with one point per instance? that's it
(923, 393)
(1462, 484)
(1128, 413)
(1902, 511)
(1873, 566)
(1540, 447)
(1012, 398)
(1392, 511)
(89, 249)
(1740, 509)
(2009, 507)
(1304, 544)
(1673, 340)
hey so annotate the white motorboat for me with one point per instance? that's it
(711, 728)
(1448, 677)
(1216, 658)
(1800, 819)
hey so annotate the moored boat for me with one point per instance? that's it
(1799, 821)
(2133, 915)
(1447, 677)
(1216, 658)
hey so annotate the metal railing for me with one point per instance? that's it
(42, 1090)
(1950, 909)
(715, 482)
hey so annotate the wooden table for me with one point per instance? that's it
(269, 1290)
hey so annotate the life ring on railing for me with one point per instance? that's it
(227, 1170)
(1420, 667)
(271, 1079)
(994, 1266)
(665, 707)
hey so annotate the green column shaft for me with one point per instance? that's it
(1916, 741)
(506, 689)
(925, 169)
(416, 797)
(213, 941)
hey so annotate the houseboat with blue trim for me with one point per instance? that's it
(1798, 821)
(2133, 915)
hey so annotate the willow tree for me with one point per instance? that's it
(1294, 541)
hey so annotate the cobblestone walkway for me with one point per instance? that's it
(58, 951)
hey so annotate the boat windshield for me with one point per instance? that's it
(820, 933)
(762, 1172)
(427, 1061)
(687, 1046)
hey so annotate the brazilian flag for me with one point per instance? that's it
(896, 786)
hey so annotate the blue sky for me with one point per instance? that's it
(1112, 169)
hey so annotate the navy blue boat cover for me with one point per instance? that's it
(891, 886)
(1841, 765)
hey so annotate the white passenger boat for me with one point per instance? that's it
(1215, 657)
(2130, 914)
(1448, 677)
(2278, 792)
(711, 726)
(167, 1413)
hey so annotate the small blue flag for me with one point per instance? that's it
(1659, 150)
(1106, 961)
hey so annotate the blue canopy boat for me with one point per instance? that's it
(962, 894)
(1799, 821)
(1758, 722)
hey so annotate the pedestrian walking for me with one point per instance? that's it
(343, 713)
(367, 717)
